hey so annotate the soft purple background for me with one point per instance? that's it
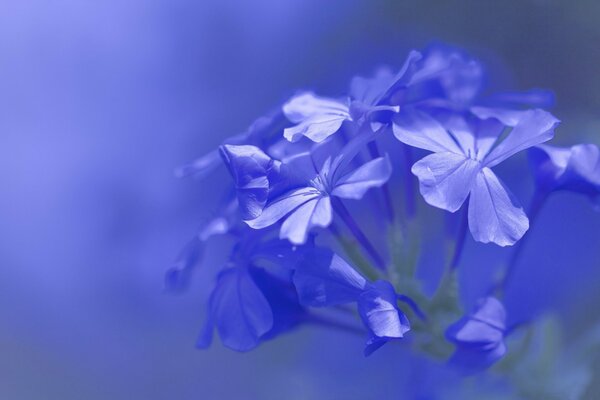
(100, 100)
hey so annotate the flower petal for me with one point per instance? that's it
(534, 127)
(317, 128)
(355, 184)
(316, 212)
(445, 179)
(379, 311)
(317, 117)
(282, 206)
(494, 214)
(249, 166)
(418, 129)
(239, 310)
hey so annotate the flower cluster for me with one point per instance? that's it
(325, 219)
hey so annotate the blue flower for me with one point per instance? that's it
(250, 304)
(317, 118)
(479, 336)
(575, 169)
(309, 186)
(324, 279)
(464, 153)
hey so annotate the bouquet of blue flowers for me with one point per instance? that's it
(329, 200)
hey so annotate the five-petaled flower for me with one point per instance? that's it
(464, 151)
(301, 191)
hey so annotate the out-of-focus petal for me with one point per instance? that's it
(575, 169)
(449, 69)
(479, 336)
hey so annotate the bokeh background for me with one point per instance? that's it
(101, 100)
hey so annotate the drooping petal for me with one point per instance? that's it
(534, 127)
(494, 213)
(317, 118)
(418, 129)
(249, 166)
(316, 212)
(282, 206)
(445, 179)
(378, 308)
(323, 278)
(355, 184)
(240, 311)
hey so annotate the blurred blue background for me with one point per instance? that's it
(101, 100)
